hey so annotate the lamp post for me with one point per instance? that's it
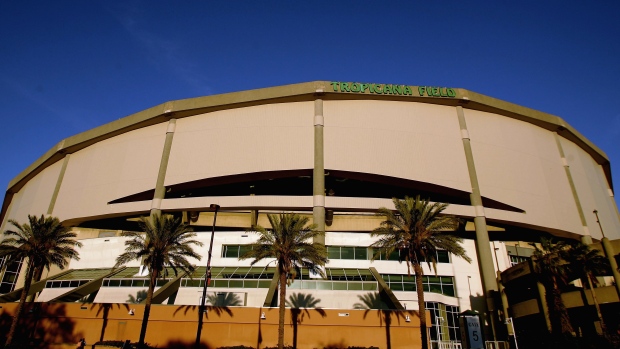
(201, 310)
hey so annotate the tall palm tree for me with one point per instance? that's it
(289, 242)
(43, 242)
(164, 242)
(586, 263)
(549, 261)
(417, 229)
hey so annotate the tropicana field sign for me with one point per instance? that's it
(388, 89)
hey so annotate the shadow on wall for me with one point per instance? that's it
(373, 301)
(299, 304)
(105, 309)
(40, 326)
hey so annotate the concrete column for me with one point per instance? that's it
(544, 307)
(318, 178)
(61, 175)
(586, 238)
(160, 190)
(483, 248)
(609, 253)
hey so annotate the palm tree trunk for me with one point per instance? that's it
(147, 307)
(598, 308)
(20, 306)
(419, 275)
(36, 277)
(282, 309)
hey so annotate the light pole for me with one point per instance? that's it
(469, 285)
(201, 310)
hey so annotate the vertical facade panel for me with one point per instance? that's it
(34, 198)
(252, 139)
(518, 163)
(109, 170)
(414, 141)
(592, 189)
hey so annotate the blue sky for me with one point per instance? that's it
(69, 66)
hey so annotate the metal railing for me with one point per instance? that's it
(435, 344)
(497, 345)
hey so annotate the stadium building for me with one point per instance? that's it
(335, 151)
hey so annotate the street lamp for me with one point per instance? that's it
(214, 208)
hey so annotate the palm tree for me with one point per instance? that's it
(289, 242)
(549, 261)
(586, 263)
(43, 242)
(165, 242)
(417, 229)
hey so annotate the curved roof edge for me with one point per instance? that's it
(303, 92)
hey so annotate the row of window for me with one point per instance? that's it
(132, 282)
(338, 252)
(435, 284)
(11, 272)
(65, 283)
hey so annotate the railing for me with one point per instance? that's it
(446, 344)
(497, 345)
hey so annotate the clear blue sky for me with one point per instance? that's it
(69, 66)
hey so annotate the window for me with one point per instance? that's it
(9, 279)
(435, 284)
(442, 256)
(444, 320)
(514, 260)
(234, 251)
(347, 252)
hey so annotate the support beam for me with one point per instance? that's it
(483, 247)
(167, 290)
(586, 238)
(386, 291)
(61, 176)
(160, 190)
(272, 295)
(34, 288)
(318, 178)
(88, 288)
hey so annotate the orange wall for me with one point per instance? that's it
(174, 326)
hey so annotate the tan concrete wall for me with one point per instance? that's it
(111, 169)
(519, 164)
(405, 140)
(176, 325)
(593, 191)
(252, 139)
(34, 198)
